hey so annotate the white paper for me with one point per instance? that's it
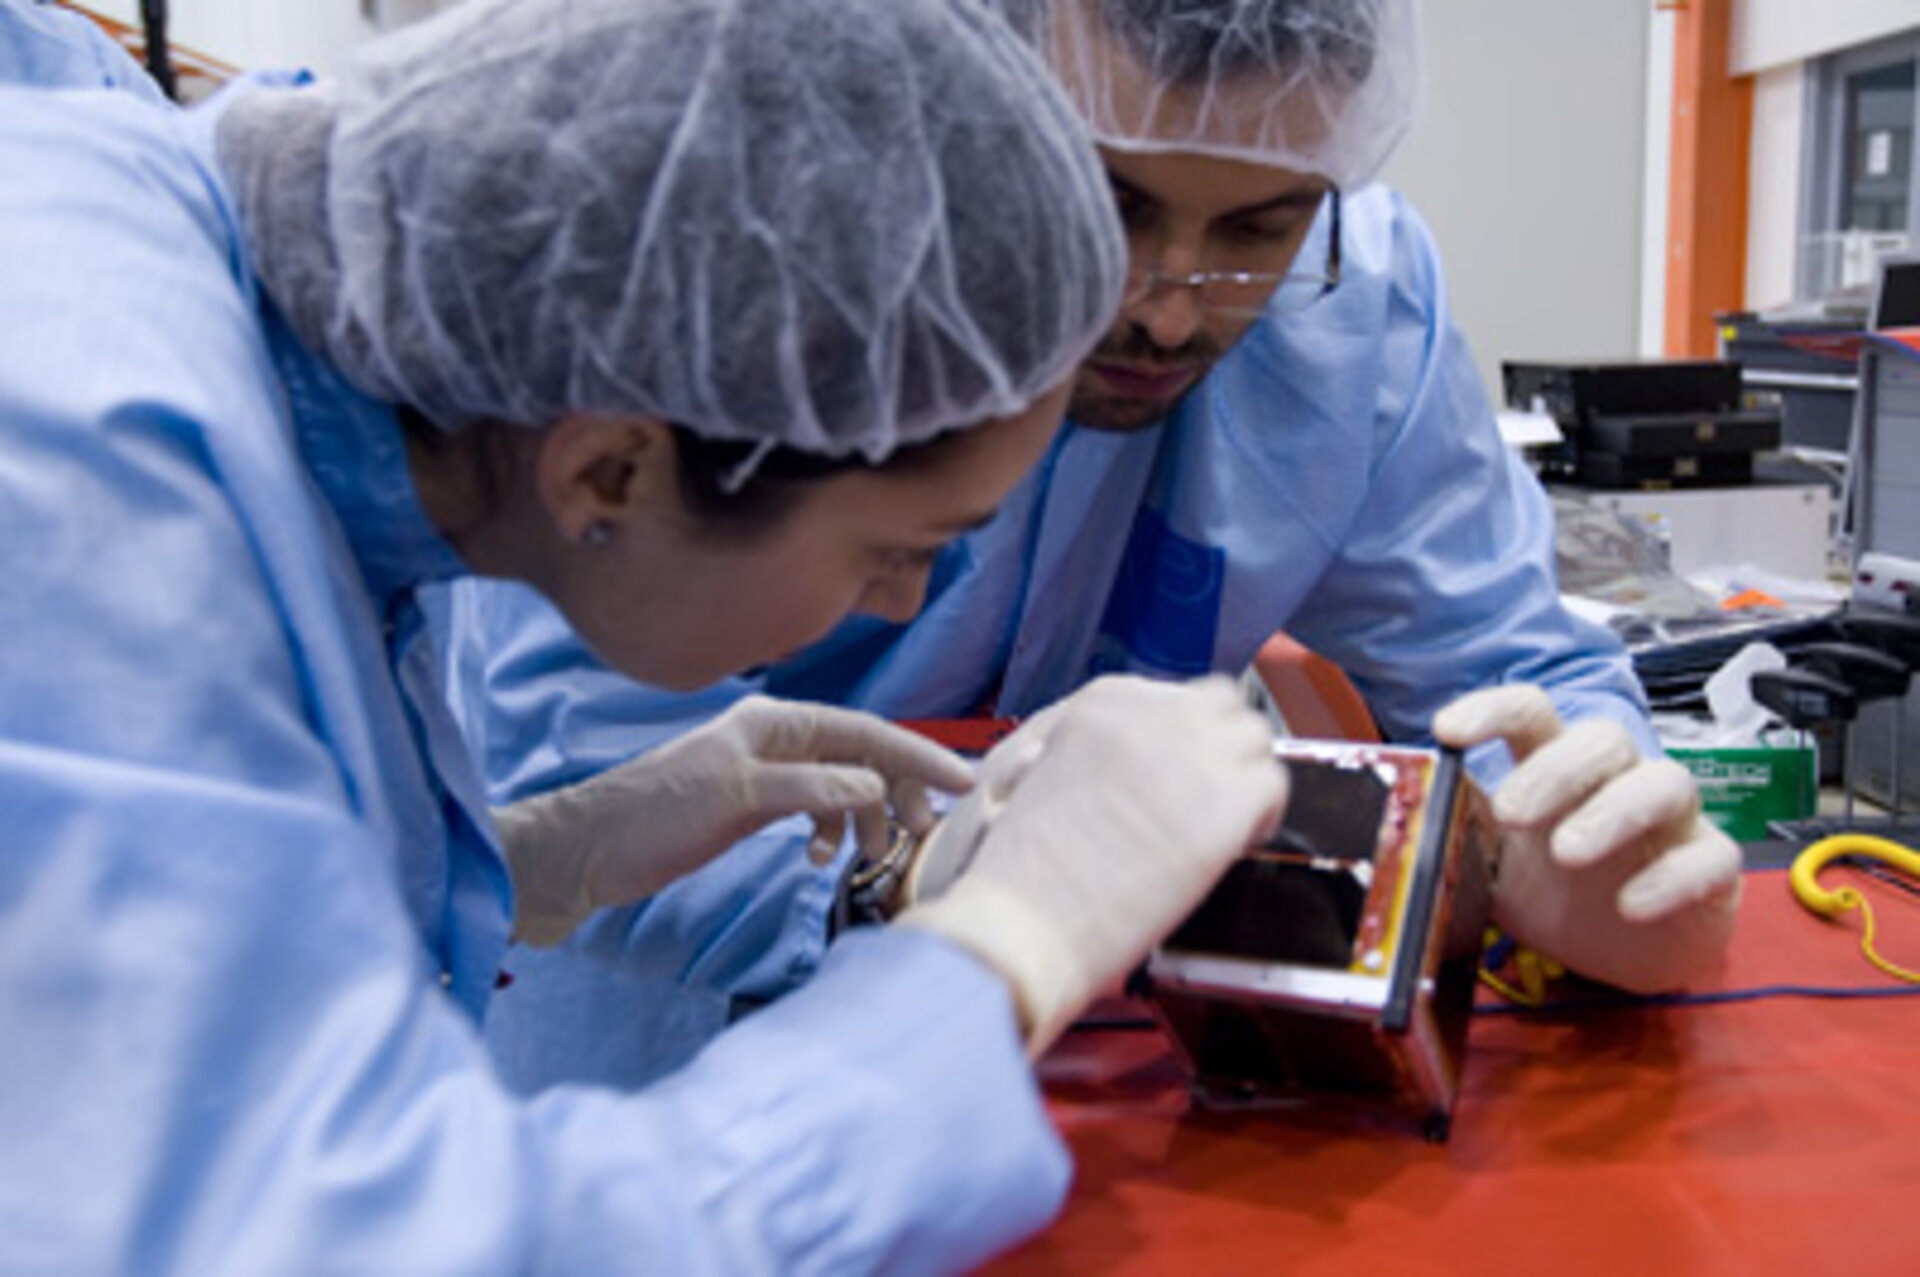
(1879, 153)
(1528, 429)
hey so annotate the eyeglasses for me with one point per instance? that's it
(1242, 294)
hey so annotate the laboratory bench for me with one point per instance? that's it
(1767, 1122)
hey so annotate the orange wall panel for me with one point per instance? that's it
(1707, 185)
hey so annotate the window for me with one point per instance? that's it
(1861, 195)
(1878, 136)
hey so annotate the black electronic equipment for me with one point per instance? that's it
(1574, 394)
(1741, 433)
(1597, 469)
(1647, 424)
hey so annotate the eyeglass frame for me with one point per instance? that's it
(1153, 279)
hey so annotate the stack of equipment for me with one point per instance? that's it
(1647, 425)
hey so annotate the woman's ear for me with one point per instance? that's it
(595, 474)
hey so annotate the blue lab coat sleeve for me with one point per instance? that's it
(635, 991)
(43, 46)
(1442, 578)
(230, 938)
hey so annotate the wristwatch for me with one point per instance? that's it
(870, 890)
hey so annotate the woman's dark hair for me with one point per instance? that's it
(778, 482)
(776, 486)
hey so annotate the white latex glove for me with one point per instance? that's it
(1606, 862)
(947, 852)
(630, 831)
(1101, 824)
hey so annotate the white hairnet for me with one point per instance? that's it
(835, 225)
(1316, 86)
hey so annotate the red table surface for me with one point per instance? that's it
(1780, 1135)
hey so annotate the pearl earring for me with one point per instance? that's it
(598, 535)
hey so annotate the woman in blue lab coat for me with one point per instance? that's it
(703, 319)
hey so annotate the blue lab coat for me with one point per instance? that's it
(49, 47)
(251, 903)
(1338, 475)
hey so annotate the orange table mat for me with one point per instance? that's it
(1774, 1135)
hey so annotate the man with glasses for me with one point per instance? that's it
(1283, 430)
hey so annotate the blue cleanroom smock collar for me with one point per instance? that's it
(355, 449)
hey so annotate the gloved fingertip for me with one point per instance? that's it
(1651, 896)
(915, 812)
(1457, 725)
(829, 831)
(1575, 845)
(1640, 906)
(1512, 806)
(1270, 820)
(864, 788)
(957, 780)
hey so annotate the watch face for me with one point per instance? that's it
(914, 867)
(871, 889)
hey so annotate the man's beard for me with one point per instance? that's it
(1098, 408)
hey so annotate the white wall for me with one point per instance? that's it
(1529, 163)
(1773, 184)
(1772, 33)
(1655, 178)
(257, 34)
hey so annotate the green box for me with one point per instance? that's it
(1744, 789)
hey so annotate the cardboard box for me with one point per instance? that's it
(1744, 790)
